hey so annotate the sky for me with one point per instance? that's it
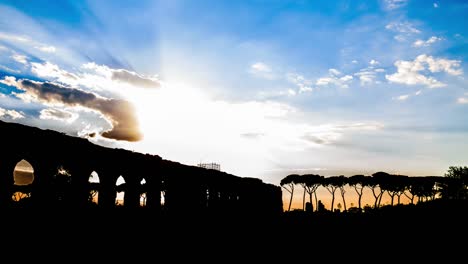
(265, 88)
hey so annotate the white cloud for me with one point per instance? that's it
(334, 79)
(300, 81)
(12, 114)
(402, 27)
(394, 4)
(123, 76)
(373, 62)
(462, 100)
(436, 5)
(260, 67)
(291, 92)
(409, 72)
(9, 80)
(48, 69)
(334, 72)
(366, 76)
(20, 58)
(58, 114)
(418, 92)
(262, 70)
(3, 48)
(98, 77)
(354, 61)
(421, 43)
(47, 49)
(400, 38)
(403, 97)
(331, 133)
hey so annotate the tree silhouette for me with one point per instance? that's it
(412, 187)
(301, 182)
(399, 187)
(332, 184)
(342, 182)
(288, 183)
(454, 185)
(381, 180)
(358, 182)
(312, 182)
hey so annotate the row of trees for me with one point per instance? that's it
(452, 186)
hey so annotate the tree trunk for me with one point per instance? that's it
(303, 200)
(316, 200)
(290, 200)
(376, 198)
(391, 198)
(380, 197)
(344, 202)
(311, 204)
(359, 201)
(333, 201)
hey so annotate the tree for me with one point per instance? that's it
(288, 183)
(331, 184)
(301, 182)
(455, 183)
(411, 186)
(380, 179)
(358, 182)
(342, 182)
(312, 182)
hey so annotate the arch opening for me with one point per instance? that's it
(62, 185)
(23, 178)
(143, 191)
(120, 186)
(94, 184)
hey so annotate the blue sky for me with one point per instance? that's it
(266, 88)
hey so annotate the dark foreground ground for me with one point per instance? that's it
(432, 230)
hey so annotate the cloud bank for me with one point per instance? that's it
(119, 113)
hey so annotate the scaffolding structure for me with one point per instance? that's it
(211, 166)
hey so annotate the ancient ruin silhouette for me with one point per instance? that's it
(168, 186)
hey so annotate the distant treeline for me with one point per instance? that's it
(453, 185)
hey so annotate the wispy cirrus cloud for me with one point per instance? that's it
(403, 29)
(335, 78)
(394, 4)
(304, 84)
(426, 43)
(26, 40)
(262, 70)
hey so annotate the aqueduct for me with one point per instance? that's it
(167, 185)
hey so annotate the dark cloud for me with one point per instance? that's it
(119, 113)
(134, 79)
